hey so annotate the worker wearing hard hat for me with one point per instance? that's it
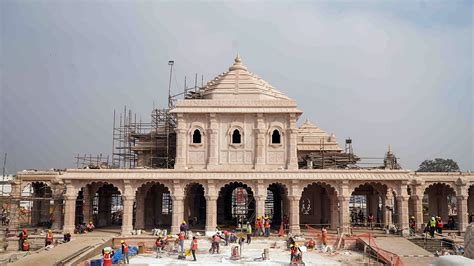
(124, 251)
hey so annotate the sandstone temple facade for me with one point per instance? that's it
(238, 152)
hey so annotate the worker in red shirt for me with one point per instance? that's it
(124, 251)
(49, 238)
(21, 238)
(324, 236)
(194, 246)
(311, 244)
(181, 241)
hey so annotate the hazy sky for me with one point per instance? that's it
(382, 73)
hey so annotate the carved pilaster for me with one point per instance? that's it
(292, 143)
(180, 161)
(260, 142)
(213, 131)
(178, 206)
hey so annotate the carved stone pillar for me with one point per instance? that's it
(402, 204)
(343, 199)
(128, 199)
(70, 197)
(294, 201)
(211, 207)
(14, 204)
(388, 208)
(260, 143)
(462, 212)
(344, 222)
(86, 205)
(140, 210)
(260, 196)
(57, 213)
(180, 160)
(127, 218)
(213, 160)
(69, 213)
(292, 141)
(211, 214)
(418, 210)
(334, 219)
(178, 213)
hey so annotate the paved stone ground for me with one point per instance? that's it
(62, 251)
(250, 255)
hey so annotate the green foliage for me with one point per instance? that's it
(439, 165)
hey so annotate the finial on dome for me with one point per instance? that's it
(237, 64)
(237, 58)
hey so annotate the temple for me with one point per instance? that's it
(234, 152)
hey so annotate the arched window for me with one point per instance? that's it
(236, 138)
(197, 136)
(276, 139)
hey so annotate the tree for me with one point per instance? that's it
(439, 165)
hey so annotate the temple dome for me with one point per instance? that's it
(311, 137)
(239, 83)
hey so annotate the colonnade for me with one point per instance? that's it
(401, 197)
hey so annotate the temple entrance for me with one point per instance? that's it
(318, 206)
(157, 208)
(367, 200)
(276, 204)
(440, 200)
(235, 203)
(195, 206)
(107, 206)
(38, 209)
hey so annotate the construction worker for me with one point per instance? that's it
(21, 238)
(370, 220)
(286, 223)
(194, 246)
(107, 253)
(439, 225)
(226, 237)
(181, 241)
(90, 227)
(258, 226)
(124, 251)
(184, 228)
(67, 237)
(216, 241)
(25, 246)
(311, 244)
(249, 233)
(295, 254)
(432, 226)
(412, 225)
(267, 226)
(49, 238)
(324, 236)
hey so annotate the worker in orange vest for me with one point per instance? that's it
(21, 238)
(26, 245)
(267, 226)
(107, 253)
(124, 251)
(194, 246)
(49, 238)
(181, 237)
(258, 226)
